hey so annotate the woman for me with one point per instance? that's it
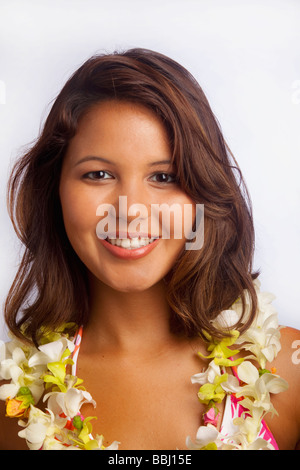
(135, 127)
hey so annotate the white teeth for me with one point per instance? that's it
(130, 243)
(125, 243)
(134, 243)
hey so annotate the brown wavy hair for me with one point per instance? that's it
(51, 285)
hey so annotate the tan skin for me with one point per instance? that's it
(136, 369)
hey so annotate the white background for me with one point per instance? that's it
(244, 53)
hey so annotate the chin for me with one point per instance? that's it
(131, 289)
(129, 283)
(131, 286)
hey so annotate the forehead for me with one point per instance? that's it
(120, 128)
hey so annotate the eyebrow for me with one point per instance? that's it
(105, 160)
(92, 157)
(161, 162)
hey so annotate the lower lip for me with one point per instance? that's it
(124, 253)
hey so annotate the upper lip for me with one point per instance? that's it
(119, 234)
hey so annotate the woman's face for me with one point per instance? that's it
(120, 156)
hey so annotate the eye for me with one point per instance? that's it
(97, 175)
(163, 178)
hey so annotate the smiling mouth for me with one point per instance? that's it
(131, 243)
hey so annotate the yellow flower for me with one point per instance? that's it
(213, 391)
(15, 408)
(220, 351)
(18, 406)
(84, 441)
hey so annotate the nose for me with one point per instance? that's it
(133, 207)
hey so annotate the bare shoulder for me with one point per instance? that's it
(287, 365)
(287, 362)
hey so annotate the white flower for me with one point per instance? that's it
(226, 320)
(34, 434)
(259, 387)
(12, 361)
(208, 376)
(51, 352)
(262, 338)
(237, 306)
(250, 425)
(205, 435)
(40, 426)
(240, 442)
(69, 402)
(14, 367)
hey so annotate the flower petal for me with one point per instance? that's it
(18, 356)
(206, 434)
(51, 352)
(8, 390)
(274, 383)
(231, 385)
(35, 433)
(247, 372)
(227, 319)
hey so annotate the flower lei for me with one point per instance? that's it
(32, 372)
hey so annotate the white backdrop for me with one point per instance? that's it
(244, 53)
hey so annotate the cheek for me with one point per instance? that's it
(182, 217)
(79, 211)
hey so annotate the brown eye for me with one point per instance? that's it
(163, 178)
(97, 175)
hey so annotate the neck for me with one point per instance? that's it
(128, 321)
